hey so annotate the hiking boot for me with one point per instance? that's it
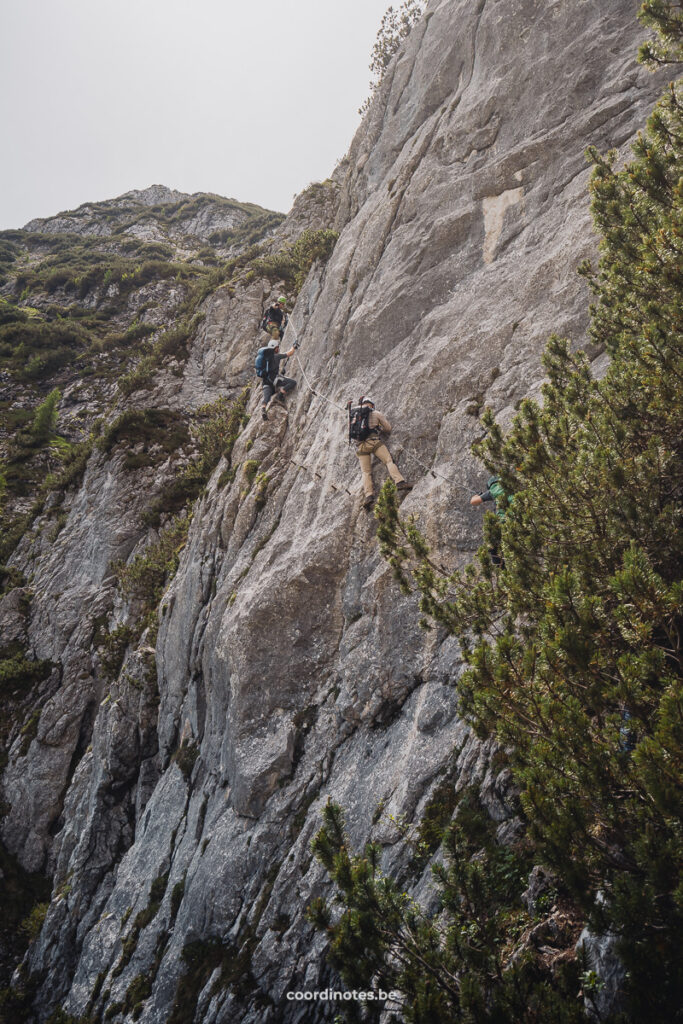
(264, 413)
(279, 398)
(369, 501)
(404, 486)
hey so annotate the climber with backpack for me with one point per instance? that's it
(269, 366)
(275, 319)
(365, 428)
(496, 493)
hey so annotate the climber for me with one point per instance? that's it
(267, 366)
(496, 493)
(275, 319)
(365, 427)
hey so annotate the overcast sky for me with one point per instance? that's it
(252, 99)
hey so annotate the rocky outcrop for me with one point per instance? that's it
(155, 214)
(175, 806)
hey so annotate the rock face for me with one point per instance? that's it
(177, 804)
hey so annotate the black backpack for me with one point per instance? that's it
(263, 362)
(359, 423)
(274, 315)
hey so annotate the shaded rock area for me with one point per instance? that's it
(173, 803)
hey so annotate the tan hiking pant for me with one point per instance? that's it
(365, 451)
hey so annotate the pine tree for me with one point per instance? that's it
(452, 967)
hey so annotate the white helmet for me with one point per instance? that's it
(273, 343)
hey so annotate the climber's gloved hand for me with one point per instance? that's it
(296, 344)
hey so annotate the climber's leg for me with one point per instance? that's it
(366, 469)
(382, 453)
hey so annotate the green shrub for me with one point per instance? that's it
(217, 427)
(201, 959)
(10, 577)
(249, 471)
(139, 990)
(140, 922)
(22, 894)
(136, 332)
(249, 233)
(143, 580)
(260, 489)
(157, 892)
(31, 349)
(45, 417)
(172, 343)
(8, 254)
(292, 263)
(185, 757)
(73, 466)
(147, 576)
(32, 924)
(113, 650)
(163, 428)
(82, 268)
(177, 897)
(17, 673)
(28, 732)
(60, 1016)
(14, 529)
(140, 377)
(11, 314)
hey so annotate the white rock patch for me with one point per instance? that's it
(494, 212)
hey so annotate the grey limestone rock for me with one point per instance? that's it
(606, 995)
(541, 882)
(13, 615)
